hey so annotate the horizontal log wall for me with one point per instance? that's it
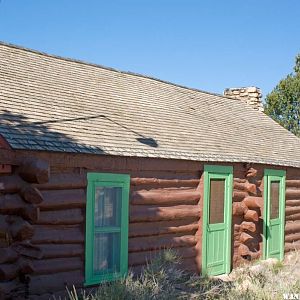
(247, 210)
(43, 233)
(164, 213)
(19, 211)
(292, 211)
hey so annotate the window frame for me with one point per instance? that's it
(95, 180)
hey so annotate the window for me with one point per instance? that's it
(217, 195)
(106, 248)
(274, 199)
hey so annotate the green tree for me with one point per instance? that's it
(283, 103)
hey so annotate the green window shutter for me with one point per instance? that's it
(106, 243)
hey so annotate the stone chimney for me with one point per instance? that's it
(251, 95)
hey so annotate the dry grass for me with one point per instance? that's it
(162, 279)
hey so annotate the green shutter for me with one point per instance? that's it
(106, 243)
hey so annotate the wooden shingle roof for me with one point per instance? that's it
(56, 104)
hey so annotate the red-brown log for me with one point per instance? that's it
(243, 250)
(236, 227)
(292, 202)
(251, 215)
(20, 229)
(11, 184)
(56, 265)
(165, 196)
(251, 172)
(35, 170)
(61, 250)
(292, 210)
(245, 237)
(239, 208)
(289, 238)
(295, 217)
(27, 249)
(14, 205)
(239, 196)
(291, 193)
(164, 227)
(239, 180)
(64, 181)
(11, 203)
(245, 186)
(31, 194)
(43, 284)
(151, 167)
(67, 234)
(292, 183)
(254, 202)
(63, 199)
(163, 242)
(236, 243)
(140, 258)
(155, 182)
(11, 271)
(61, 217)
(291, 246)
(8, 255)
(236, 235)
(30, 212)
(292, 227)
(248, 226)
(154, 213)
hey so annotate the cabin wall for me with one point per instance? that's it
(164, 213)
(292, 210)
(46, 251)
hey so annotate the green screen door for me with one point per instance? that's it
(216, 250)
(274, 207)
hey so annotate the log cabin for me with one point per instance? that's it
(101, 169)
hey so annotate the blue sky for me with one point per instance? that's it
(209, 45)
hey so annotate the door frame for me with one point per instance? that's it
(282, 175)
(222, 170)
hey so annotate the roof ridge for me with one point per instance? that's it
(109, 68)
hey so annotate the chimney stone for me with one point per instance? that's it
(250, 95)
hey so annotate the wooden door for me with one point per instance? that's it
(274, 213)
(217, 215)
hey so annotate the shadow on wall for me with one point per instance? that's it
(20, 132)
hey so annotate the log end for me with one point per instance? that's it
(31, 194)
(251, 215)
(35, 170)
